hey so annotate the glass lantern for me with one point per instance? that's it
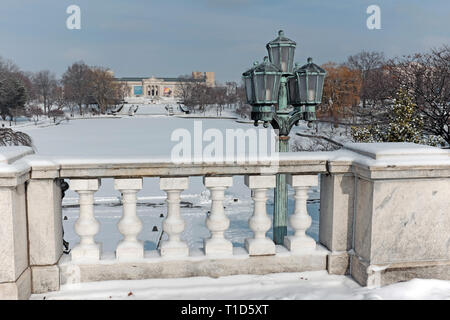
(262, 84)
(306, 85)
(281, 52)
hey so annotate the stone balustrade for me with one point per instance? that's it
(384, 217)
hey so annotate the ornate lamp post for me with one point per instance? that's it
(270, 88)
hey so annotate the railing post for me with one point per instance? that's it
(300, 221)
(174, 224)
(45, 233)
(86, 226)
(337, 196)
(217, 222)
(15, 275)
(260, 223)
(130, 225)
(44, 214)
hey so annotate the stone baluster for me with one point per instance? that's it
(217, 222)
(130, 225)
(260, 223)
(86, 226)
(300, 221)
(174, 224)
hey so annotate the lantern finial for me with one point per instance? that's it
(281, 33)
(309, 60)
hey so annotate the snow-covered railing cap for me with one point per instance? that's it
(397, 150)
(11, 154)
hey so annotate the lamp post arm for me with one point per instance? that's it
(276, 122)
(293, 118)
(284, 124)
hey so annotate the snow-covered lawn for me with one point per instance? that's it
(150, 136)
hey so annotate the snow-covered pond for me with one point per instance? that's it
(149, 136)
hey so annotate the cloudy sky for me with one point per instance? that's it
(174, 37)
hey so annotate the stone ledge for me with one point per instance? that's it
(154, 266)
(404, 272)
(380, 275)
(14, 175)
(400, 172)
(42, 167)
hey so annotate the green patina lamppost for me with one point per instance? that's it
(271, 88)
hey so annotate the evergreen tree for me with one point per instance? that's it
(12, 96)
(404, 124)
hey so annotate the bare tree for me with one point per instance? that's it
(219, 98)
(76, 81)
(243, 109)
(35, 112)
(104, 89)
(202, 96)
(427, 78)
(8, 66)
(231, 93)
(369, 65)
(44, 83)
(184, 91)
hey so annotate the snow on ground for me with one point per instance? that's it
(150, 136)
(317, 285)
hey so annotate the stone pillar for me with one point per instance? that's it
(15, 274)
(300, 221)
(174, 224)
(44, 224)
(45, 233)
(402, 215)
(217, 222)
(130, 225)
(337, 195)
(260, 223)
(86, 226)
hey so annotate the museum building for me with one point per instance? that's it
(152, 87)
